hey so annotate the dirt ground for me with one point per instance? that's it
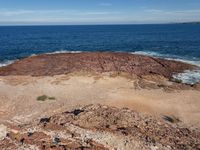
(19, 104)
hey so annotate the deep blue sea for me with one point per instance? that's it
(172, 41)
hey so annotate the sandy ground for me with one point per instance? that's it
(18, 97)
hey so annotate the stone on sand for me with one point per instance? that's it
(3, 131)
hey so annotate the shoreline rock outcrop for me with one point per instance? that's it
(97, 62)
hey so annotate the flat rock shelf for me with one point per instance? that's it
(97, 62)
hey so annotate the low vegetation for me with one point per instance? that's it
(44, 98)
(51, 98)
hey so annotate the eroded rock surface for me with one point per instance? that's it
(102, 127)
(57, 64)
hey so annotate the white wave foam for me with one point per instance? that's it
(148, 53)
(6, 63)
(192, 62)
(64, 51)
(57, 52)
(168, 57)
(188, 76)
(32, 55)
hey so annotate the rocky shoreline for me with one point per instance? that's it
(95, 62)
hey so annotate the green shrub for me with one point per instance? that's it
(42, 98)
(51, 98)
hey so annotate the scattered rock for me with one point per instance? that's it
(3, 132)
(56, 140)
(75, 112)
(44, 120)
(102, 127)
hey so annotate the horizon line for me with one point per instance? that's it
(191, 22)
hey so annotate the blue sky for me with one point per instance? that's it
(14, 12)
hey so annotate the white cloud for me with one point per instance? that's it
(5, 12)
(105, 4)
(173, 12)
(56, 16)
(95, 16)
(172, 15)
(99, 13)
(14, 13)
(10, 13)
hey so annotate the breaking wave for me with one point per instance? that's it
(6, 62)
(64, 51)
(188, 76)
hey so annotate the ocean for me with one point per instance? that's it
(170, 41)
